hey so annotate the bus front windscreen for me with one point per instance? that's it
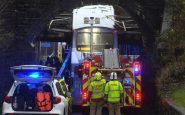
(100, 41)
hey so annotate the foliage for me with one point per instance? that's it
(178, 96)
(171, 51)
(173, 39)
(170, 77)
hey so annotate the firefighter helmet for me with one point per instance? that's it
(127, 65)
(113, 75)
(98, 76)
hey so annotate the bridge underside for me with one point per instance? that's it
(30, 18)
(22, 21)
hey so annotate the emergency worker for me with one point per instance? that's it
(96, 94)
(63, 89)
(113, 94)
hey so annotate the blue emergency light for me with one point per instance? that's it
(127, 81)
(136, 67)
(33, 74)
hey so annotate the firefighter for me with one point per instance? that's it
(113, 94)
(96, 94)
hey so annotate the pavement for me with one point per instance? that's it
(179, 109)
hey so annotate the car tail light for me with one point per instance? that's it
(138, 98)
(57, 100)
(8, 99)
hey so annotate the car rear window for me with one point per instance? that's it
(33, 76)
(25, 97)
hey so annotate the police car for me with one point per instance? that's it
(35, 91)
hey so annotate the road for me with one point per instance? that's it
(78, 111)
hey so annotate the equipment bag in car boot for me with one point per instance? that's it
(43, 101)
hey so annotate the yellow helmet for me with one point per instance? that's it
(98, 76)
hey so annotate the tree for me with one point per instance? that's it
(174, 37)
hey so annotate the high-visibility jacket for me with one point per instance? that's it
(63, 87)
(113, 90)
(96, 89)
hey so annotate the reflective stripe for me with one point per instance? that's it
(60, 83)
(129, 92)
(86, 80)
(86, 83)
(138, 83)
(138, 88)
(114, 90)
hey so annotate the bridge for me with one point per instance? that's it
(22, 22)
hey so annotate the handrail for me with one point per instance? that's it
(64, 65)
